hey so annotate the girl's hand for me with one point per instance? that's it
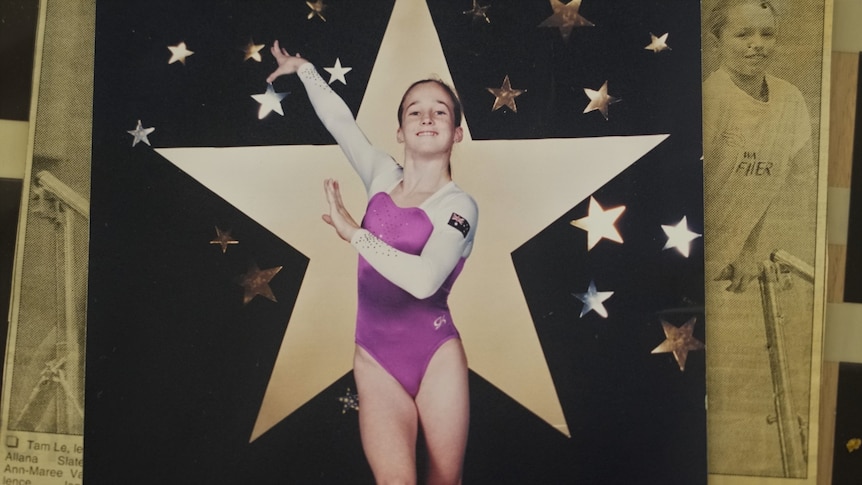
(338, 216)
(287, 64)
(739, 273)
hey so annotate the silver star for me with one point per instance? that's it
(337, 72)
(658, 44)
(599, 223)
(140, 134)
(679, 237)
(593, 300)
(269, 101)
(179, 53)
(600, 100)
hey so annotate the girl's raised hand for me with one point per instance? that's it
(287, 64)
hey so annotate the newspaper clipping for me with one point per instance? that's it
(763, 69)
(43, 385)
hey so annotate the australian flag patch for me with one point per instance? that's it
(459, 223)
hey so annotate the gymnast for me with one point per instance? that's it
(418, 229)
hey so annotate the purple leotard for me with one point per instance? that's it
(409, 257)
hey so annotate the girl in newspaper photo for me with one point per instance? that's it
(759, 181)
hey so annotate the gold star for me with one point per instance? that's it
(317, 7)
(853, 444)
(505, 95)
(140, 134)
(349, 401)
(566, 17)
(494, 320)
(478, 13)
(679, 236)
(599, 100)
(678, 340)
(658, 44)
(593, 300)
(223, 239)
(599, 223)
(252, 51)
(179, 53)
(256, 282)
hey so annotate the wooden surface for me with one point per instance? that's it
(842, 122)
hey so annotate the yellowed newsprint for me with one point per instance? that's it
(43, 381)
(765, 101)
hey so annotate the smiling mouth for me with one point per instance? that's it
(427, 133)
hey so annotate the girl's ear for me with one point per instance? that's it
(399, 135)
(459, 134)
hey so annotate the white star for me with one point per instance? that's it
(140, 134)
(179, 53)
(494, 320)
(679, 237)
(338, 72)
(600, 100)
(269, 101)
(658, 44)
(593, 300)
(599, 223)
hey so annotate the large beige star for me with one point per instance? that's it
(520, 186)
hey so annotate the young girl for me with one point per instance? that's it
(418, 229)
(757, 162)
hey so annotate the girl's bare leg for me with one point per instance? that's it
(387, 422)
(443, 403)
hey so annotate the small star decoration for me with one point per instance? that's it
(179, 53)
(269, 101)
(349, 401)
(599, 100)
(678, 340)
(853, 444)
(679, 237)
(599, 223)
(337, 72)
(593, 299)
(223, 239)
(658, 44)
(505, 95)
(566, 17)
(317, 7)
(140, 134)
(252, 51)
(478, 12)
(256, 282)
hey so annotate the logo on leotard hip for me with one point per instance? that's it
(441, 320)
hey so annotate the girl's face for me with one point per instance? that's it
(748, 38)
(427, 119)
